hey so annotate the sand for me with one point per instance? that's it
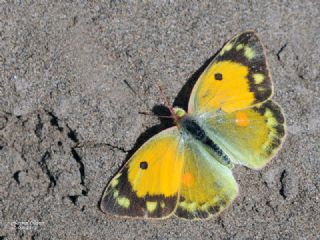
(74, 77)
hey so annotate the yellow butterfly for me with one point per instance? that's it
(186, 170)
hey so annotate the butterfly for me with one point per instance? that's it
(186, 170)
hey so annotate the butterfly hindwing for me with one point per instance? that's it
(237, 77)
(207, 187)
(148, 185)
(250, 137)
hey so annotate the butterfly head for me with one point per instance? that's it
(178, 114)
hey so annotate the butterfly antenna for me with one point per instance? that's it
(166, 103)
(154, 115)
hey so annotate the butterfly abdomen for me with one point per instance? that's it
(194, 129)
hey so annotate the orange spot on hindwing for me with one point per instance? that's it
(187, 179)
(242, 119)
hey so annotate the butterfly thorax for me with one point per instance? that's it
(192, 128)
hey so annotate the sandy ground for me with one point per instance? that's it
(74, 77)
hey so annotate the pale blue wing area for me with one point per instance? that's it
(207, 186)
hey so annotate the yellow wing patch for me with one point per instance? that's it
(148, 185)
(226, 87)
(165, 166)
(249, 53)
(238, 77)
(258, 78)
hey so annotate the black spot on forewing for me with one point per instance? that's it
(257, 64)
(218, 76)
(143, 165)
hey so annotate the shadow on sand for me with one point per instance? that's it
(181, 100)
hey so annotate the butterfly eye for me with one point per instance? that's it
(218, 76)
(143, 165)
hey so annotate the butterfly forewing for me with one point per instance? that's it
(149, 183)
(237, 77)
